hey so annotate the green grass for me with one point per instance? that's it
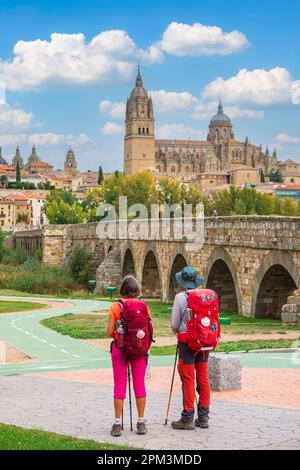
(83, 326)
(87, 326)
(16, 438)
(8, 306)
(230, 346)
(94, 326)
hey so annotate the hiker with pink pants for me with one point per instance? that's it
(130, 326)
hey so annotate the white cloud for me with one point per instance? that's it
(205, 111)
(112, 128)
(259, 86)
(179, 131)
(45, 139)
(12, 139)
(170, 101)
(287, 139)
(195, 40)
(115, 110)
(13, 118)
(111, 56)
(52, 139)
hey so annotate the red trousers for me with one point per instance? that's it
(193, 370)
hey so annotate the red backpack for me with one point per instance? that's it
(138, 328)
(203, 327)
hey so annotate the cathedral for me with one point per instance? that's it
(221, 159)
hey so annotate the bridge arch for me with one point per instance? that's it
(276, 279)
(221, 276)
(180, 260)
(128, 266)
(151, 276)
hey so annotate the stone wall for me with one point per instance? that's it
(29, 240)
(291, 311)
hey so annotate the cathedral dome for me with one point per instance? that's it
(221, 118)
(139, 91)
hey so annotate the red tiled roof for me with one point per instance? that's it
(289, 162)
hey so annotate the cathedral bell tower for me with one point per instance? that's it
(70, 165)
(139, 146)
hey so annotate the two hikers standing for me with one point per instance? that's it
(194, 319)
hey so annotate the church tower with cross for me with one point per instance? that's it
(139, 143)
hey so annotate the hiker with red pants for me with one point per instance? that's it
(130, 326)
(195, 320)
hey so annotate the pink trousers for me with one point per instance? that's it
(138, 372)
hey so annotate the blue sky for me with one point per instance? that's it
(70, 88)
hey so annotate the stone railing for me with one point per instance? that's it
(271, 233)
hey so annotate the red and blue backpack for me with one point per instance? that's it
(203, 326)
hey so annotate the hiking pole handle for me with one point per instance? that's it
(171, 388)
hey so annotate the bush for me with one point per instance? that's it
(14, 256)
(37, 278)
(80, 265)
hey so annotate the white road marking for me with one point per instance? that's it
(64, 351)
(75, 355)
(53, 345)
(35, 337)
(27, 333)
(43, 340)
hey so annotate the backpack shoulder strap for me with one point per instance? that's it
(121, 304)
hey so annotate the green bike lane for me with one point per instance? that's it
(55, 352)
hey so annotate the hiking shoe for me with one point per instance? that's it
(201, 424)
(116, 430)
(141, 427)
(186, 425)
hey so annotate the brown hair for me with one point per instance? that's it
(129, 287)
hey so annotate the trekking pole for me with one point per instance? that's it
(122, 425)
(129, 391)
(171, 389)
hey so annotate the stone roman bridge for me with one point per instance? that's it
(252, 262)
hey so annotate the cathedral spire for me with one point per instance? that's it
(139, 81)
(220, 108)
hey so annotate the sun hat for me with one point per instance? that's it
(189, 278)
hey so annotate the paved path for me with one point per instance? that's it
(85, 411)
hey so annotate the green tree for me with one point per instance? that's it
(60, 212)
(18, 173)
(60, 195)
(2, 236)
(3, 181)
(80, 264)
(262, 176)
(168, 191)
(22, 218)
(276, 176)
(91, 203)
(240, 207)
(192, 194)
(100, 175)
(289, 207)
